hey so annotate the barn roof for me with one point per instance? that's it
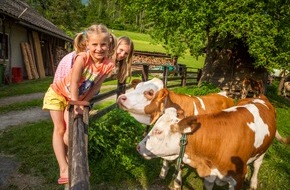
(30, 18)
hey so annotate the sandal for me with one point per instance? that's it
(62, 180)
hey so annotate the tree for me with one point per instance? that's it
(115, 14)
(68, 15)
(256, 31)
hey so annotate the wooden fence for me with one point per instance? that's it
(78, 126)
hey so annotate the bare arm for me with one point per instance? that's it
(96, 87)
(77, 71)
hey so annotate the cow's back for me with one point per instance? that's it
(194, 105)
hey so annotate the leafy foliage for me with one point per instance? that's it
(111, 132)
(68, 15)
(259, 25)
(112, 144)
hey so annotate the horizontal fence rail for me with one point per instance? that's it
(171, 79)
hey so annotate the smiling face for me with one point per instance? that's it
(98, 46)
(122, 51)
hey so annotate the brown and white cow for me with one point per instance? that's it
(219, 145)
(254, 86)
(147, 105)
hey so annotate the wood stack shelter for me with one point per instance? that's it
(30, 45)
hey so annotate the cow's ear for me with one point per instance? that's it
(180, 114)
(157, 104)
(161, 95)
(135, 82)
(186, 125)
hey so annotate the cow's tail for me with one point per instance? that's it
(282, 139)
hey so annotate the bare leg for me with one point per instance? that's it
(66, 117)
(57, 141)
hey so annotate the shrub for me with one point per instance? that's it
(112, 144)
(203, 89)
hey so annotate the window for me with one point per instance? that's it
(3, 46)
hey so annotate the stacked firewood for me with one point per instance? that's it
(152, 58)
(60, 53)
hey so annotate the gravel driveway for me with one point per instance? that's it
(17, 117)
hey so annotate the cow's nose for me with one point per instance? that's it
(122, 98)
(138, 148)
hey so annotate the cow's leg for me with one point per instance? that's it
(208, 182)
(178, 180)
(254, 178)
(233, 184)
(164, 169)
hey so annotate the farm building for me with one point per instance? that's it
(30, 45)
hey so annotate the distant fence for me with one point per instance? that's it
(180, 76)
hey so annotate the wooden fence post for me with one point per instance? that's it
(183, 76)
(145, 73)
(121, 88)
(165, 75)
(78, 147)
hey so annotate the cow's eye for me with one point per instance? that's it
(157, 132)
(149, 94)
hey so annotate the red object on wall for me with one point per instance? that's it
(17, 74)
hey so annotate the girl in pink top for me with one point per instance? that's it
(66, 63)
(89, 71)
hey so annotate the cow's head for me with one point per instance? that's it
(156, 107)
(135, 101)
(161, 141)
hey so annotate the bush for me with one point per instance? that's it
(203, 89)
(112, 144)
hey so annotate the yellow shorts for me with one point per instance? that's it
(54, 101)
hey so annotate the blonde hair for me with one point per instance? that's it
(80, 42)
(124, 66)
(98, 29)
(112, 44)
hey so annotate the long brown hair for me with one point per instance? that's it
(124, 66)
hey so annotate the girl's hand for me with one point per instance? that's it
(78, 110)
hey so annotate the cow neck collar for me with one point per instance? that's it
(183, 142)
